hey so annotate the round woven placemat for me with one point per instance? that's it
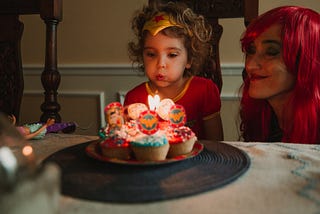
(87, 178)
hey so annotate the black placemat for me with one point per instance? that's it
(86, 178)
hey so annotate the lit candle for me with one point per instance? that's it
(153, 102)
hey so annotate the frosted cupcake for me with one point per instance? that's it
(152, 144)
(181, 140)
(150, 147)
(114, 136)
(115, 147)
(180, 137)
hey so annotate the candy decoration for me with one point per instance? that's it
(177, 116)
(164, 108)
(114, 114)
(112, 105)
(148, 122)
(135, 109)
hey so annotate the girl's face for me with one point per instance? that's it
(165, 59)
(268, 75)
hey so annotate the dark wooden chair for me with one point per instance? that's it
(11, 74)
(214, 10)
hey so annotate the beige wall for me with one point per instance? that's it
(94, 65)
(92, 32)
(96, 32)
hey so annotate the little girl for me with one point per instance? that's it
(172, 43)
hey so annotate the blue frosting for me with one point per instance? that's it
(154, 140)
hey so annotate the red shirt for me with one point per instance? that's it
(200, 98)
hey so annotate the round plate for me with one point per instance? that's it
(93, 150)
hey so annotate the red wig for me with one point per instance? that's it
(301, 53)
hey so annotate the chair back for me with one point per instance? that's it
(11, 69)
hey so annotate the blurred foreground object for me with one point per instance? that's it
(25, 187)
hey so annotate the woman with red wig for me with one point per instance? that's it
(281, 91)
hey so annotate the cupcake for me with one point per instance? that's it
(181, 140)
(150, 147)
(115, 147)
(114, 142)
(151, 144)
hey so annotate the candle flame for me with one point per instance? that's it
(153, 102)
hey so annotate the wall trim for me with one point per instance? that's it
(232, 69)
(228, 69)
(224, 96)
(229, 97)
(100, 94)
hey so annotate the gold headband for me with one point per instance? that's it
(158, 23)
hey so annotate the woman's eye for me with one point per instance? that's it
(272, 52)
(250, 50)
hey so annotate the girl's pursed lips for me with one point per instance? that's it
(160, 77)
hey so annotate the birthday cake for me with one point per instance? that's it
(146, 134)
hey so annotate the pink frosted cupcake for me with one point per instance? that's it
(180, 137)
(114, 147)
(181, 140)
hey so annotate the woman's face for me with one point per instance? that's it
(165, 59)
(268, 75)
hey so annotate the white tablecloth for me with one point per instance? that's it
(282, 178)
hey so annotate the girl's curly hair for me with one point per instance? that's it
(193, 29)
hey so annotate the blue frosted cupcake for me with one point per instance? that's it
(153, 147)
(151, 144)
